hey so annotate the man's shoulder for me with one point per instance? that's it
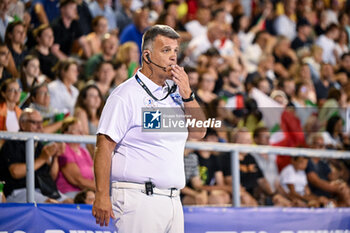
(126, 89)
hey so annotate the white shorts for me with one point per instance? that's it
(137, 212)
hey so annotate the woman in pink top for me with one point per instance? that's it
(76, 165)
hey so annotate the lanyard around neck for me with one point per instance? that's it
(143, 85)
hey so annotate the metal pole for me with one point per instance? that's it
(236, 180)
(30, 170)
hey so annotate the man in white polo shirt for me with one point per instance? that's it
(145, 169)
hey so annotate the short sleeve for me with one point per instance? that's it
(287, 176)
(115, 118)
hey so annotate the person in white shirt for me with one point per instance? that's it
(145, 169)
(294, 182)
(327, 43)
(284, 24)
(198, 27)
(62, 92)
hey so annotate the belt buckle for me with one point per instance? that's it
(172, 192)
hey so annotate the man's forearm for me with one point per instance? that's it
(102, 164)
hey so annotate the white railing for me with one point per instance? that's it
(234, 149)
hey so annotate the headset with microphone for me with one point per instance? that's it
(150, 61)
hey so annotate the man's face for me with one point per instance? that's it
(4, 55)
(110, 46)
(164, 51)
(33, 123)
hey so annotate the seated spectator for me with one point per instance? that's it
(321, 178)
(15, 38)
(44, 38)
(285, 24)
(211, 174)
(66, 30)
(103, 79)
(285, 58)
(294, 183)
(121, 74)
(324, 83)
(13, 162)
(9, 110)
(206, 87)
(252, 118)
(63, 93)
(327, 43)
(87, 196)
(94, 39)
(128, 53)
(199, 26)
(5, 18)
(30, 70)
(341, 45)
(110, 44)
(40, 101)
(84, 16)
(101, 8)
(7, 65)
(192, 193)
(75, 163)
(333, 135)
(302, 41)
(314, 61)
(88, 110)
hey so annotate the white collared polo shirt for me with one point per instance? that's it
(142, 156)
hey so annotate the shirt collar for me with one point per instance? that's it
(148, 82)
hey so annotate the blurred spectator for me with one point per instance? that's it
(211, 174)
(134, 31)
(109, 45)
(321, 178)
(192, 193)
(44, 12)
(40, 101)
(156, 9)
(6, 64)
(201, 44)
(121, 74)
(66, 30)
(302, 40)
(5, 18)
(261, 44)
(84, 16)
(101, 7)
(87, 196)
(30, 70)
(345, 64)
(334, 105)
(63, 93)
(252, 118)
(75, 163)
(198, 26)
(128, 53)
(205, 89)
(103, 78)
(280, 97)
(327, 43)
(88, 111)
(285, 24)
(333, 134)
(94, 39)
(15, 37)
(294, 182)
(265, 70)
(285, 58)
(342, 44)
(13, 164)
(314, 61)
(9, 110)
(124, 15)
(193, 77)
(325, 83)
(44, 38)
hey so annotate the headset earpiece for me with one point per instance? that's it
(148, 58)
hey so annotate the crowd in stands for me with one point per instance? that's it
(274, 72)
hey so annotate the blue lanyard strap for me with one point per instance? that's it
(143, 85)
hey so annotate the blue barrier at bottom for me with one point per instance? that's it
(51, 218)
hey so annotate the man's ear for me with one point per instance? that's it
(146, 58)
